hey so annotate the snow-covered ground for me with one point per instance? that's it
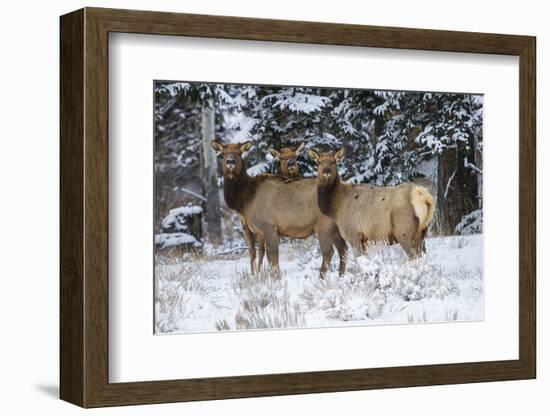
(202, 293)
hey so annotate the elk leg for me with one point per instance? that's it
(407, 246)
(325, 242)
(251, 243)
(341, 247)
(357, 245)
(417, 244)
(406, 231)
(261, 251)
(272, 246)
(423, 239)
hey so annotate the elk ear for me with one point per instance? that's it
(245, 146)
(217, 146)
(274, 153)
(313, 155)
(339, 155)
(299, 149)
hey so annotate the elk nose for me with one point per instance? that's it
(230, 162)
(326, 172)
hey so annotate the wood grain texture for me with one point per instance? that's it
(527, 207)
(162, 23)
(96, 209)
(84, 207)
(71, 213)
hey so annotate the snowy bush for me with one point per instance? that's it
(180, 293)
(471, 223)
(415, 280)
(374, 283)
(278, 313)
(201, 291)
(305, 253)
(344, 299)
(181, 228)
(406, 280)
(165, 240)
(177, 218)
(264, 302)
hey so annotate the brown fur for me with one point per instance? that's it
(271, 206)
(288, 159)
(397, 214)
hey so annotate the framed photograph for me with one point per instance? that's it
(256, 207)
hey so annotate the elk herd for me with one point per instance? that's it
(289, 205)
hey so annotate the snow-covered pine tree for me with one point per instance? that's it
(208, 105)
(452, 131)
(387, 135)
(283, 116)
(177, 148)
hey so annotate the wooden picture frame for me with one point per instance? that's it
(84, 207)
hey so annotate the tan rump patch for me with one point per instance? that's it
(423, 204)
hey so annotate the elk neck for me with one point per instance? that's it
(238, 190)
(326, 193)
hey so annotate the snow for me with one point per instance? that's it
(190, 192)
(381, 109)
(176, 216)
(432, 142)
(176, 227)
(245, 127)
(186, 211)
(471, 223)
(225, 98)
(174, 88)
(214, 290)
(258, 169)
(298, 102)
(165, 240)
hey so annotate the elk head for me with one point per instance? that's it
(232, 164)
(288, 158)
(327, 173)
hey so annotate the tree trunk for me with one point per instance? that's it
(479, 165)
(457, 191)
(212, 214)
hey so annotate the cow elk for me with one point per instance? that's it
(271, 207)
(288, 159)
(363, 213)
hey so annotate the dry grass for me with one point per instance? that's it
(264, 303)
(458, 242)
(223, 325)
(373, 283)
(412, 319)
(174, 290)
(302, 251)
(417, 280)
(193, 294)
(173, 256)
(450, 315)
(278, 313)
(345, 299)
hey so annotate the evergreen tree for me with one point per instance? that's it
(387, 136)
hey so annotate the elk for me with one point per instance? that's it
(288, 159)
(272, 207)
(289, 168)
(396, 214)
